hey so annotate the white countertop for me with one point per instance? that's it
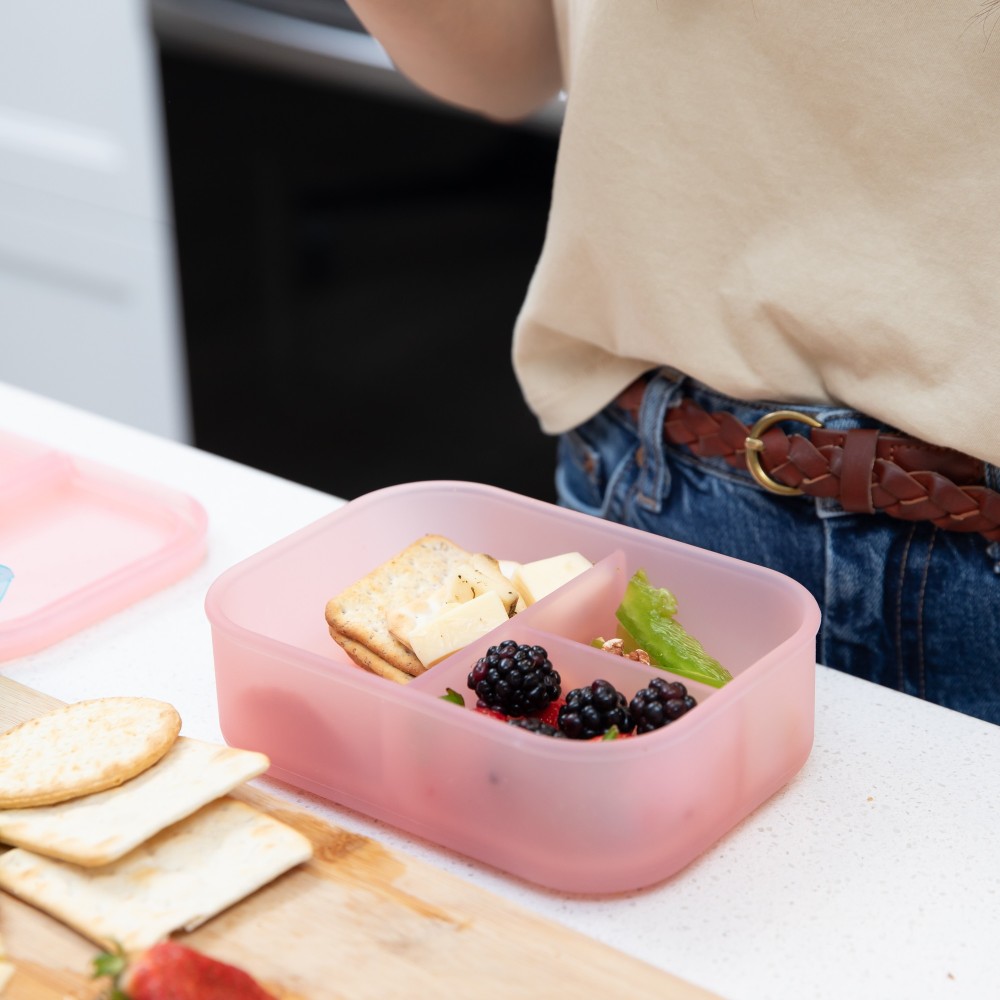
(874, 873)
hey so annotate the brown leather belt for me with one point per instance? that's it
(863, 470)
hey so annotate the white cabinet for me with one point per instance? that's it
(89, 308)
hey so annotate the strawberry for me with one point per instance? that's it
(550, 715)
(171, 971)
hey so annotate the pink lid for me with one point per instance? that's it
(80, 541)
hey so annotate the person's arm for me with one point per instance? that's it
(497, 57)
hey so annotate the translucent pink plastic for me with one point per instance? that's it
(582, 817)
(80, 541)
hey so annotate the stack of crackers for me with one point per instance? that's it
(372, 618)
(125, 830)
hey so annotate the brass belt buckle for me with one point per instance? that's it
(754, 446)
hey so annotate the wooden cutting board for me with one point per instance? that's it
(358, 920)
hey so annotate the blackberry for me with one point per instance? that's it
(591, 711)
(535, 725)
(659, 704)
(515, 679)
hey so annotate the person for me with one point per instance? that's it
(765, 315)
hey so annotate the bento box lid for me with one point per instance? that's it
(80, 540)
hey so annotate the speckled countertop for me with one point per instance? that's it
(875, 873)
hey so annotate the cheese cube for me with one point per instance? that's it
(535, 580)
(455, 626)
(508, 567)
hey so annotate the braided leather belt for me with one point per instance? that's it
(866, 471)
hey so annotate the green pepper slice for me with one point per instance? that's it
(646, 614)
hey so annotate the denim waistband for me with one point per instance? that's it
(749, 412)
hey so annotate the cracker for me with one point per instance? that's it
(100, 828)
(83, 748)
(364, 657)
(358, 617)
(179, 879)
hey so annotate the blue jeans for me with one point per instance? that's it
(904, 604)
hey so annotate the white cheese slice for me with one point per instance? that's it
(403, 619)
(455, 626)
(535, 580)
(483, 575)
(508, 567)
(470, 580)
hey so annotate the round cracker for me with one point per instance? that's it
(83, 748)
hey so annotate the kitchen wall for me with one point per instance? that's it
(88, 309)
(241, 228)
(352, 260)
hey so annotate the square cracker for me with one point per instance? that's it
(364, 657)
(358, 617)
(100, 828)
(178, 879)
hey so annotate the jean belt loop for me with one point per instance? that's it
(991, 476)
(653, 481)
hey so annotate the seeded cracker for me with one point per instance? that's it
(83, 748)
(358, 617)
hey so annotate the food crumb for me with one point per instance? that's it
(617, 648)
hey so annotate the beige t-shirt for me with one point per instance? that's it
(788, 200)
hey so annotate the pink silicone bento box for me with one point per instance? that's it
(577, 816)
